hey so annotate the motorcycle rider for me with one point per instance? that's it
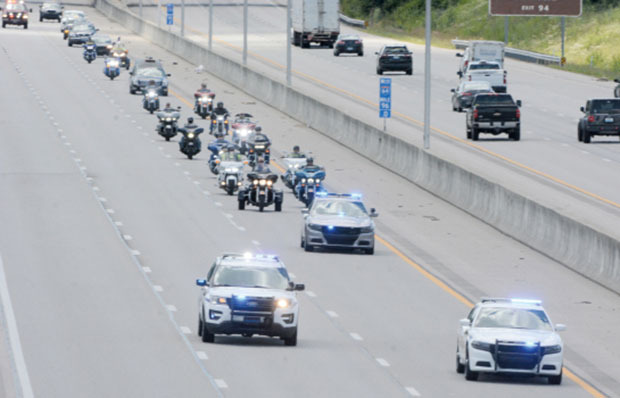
(230, 155)
(310, 167)
(219, 110)
(297, 154)
(261, 167)
(168, 108)
(202, 90)
(189, 126)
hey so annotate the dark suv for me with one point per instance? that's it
(146, 70)
(601, 117)
(394, 58)
(15, 14)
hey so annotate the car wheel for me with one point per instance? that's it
(302, 242)
(3, 25)
(410, 72)
(468, 130)
(69, 43)
(360, 54)
(40, 19)
(336, 53)
(206, 336)
(25, 26)
(308, 247)
(279, 205)
(617, 91)
(460, 368)
(370, 251)
(291, 341)
(469, 374)
(586, 136)
(474, 134)
(241, 204)
(459, 109)
(579, 134)
(516, 134)
(555, 380)
(305, 44)
(199, 326)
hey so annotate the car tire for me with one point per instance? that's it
(360, 54)
(468, 131)
(460, 368)
(617, 91)
(379, 71)
(586, 137)
(475, 134)
(3, 25)
(199, 326)
(516, 134)
(555, 380)
(305, 44)
(40, 19)
(410, 72)
(459, 109)
(291, 341)
(469, 374)
(370, 251)
(241, 204)
(336, 53)
(69, 43)
(206, 337)
(579, 134)
(278, 205)
(307, 247)
(26, 26)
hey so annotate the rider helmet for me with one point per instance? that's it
(258, 129)
(296, 149)
(203, 86)
(310, 162)
(190, 120)
(220, 104)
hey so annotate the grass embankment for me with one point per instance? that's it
(590, 46)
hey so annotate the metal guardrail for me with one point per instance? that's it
(522, 55)
(351, 21)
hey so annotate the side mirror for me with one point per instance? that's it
(452, 90)
(460, 55)
(373, 212)
(299, 287)
(201, 282)
(459, 73)
(465, 322)
(376, 53)
(582, 109)
(519, 103)
(178, 108)
(168, 74)
(560, 327)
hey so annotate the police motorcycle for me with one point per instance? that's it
(242, 128)
(120, 52)
(309, 182)
(219, 124)
(111, 68)
(260, 192)
(230, 175)
(292, 164)
(150, 101)
(190, 144)
(204, 103)
(90, 52)
(217, 148)
(258, 146)
(167, 126)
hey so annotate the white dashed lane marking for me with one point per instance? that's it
(310, 293)
(147, 270)
(202, 355)
(332, 314)
(127, 237)
(158, 288)
(356, 336)
(413, 392)
(221, 383)
(185, 330)
(383, 362)
(171, 308)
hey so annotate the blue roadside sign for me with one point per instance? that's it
(385, 95)
(169, 14)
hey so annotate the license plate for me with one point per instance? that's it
(191, 144)
(396, 57)
(349, 48)
(609, 120)
(237, 318)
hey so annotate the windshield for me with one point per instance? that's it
(483, 66)
(73, 14)
(150, 72)
(512, 318)
(396, 50)
(249, 276)
(606, 106)
(50, 6)
(81, 28)
(15, 7)
(494, 100)
(102, 39)
(338, 208)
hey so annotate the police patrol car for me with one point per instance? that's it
(248, 294)
(509, 336)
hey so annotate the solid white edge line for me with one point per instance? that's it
(16, 346)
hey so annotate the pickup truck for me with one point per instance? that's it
(491, 72)
(601, 117)
(494, 114)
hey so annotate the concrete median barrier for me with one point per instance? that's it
(578, 246)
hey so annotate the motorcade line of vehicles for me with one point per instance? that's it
(249, 294)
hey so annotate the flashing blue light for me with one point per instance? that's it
(526, 301)
(331, 227)
(201, 282)
(240, 297)
(356, 195)
(321, 193)
(530, 344)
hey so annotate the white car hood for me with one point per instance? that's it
(340, 221)
(489, 335)
(229, 291)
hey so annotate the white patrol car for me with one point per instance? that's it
(248, 294)
(339, 221)
(509, 336)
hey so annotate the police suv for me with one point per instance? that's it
(509, 336)
(248, 294)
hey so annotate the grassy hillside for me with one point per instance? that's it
(590, 39)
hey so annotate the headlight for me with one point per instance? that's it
(480, 345)
(218, 300)
(367, 229)
(113, 64)
(152, 95)
(168, 119)
(303, 180)
(310, 180)
(283, 303)
(190, 135)
(315, 227)
(201, 99)
(269, 183)
(262, 183)
(255, 182)
(552, 349)
(109, 46)
(231, 170)
(25, 16)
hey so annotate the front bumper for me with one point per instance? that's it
(14, 21)
(396, 65)
(485, 361)
(220, 319)
(78, 39)
(361, 240)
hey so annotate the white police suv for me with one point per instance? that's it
(338, 221)
(248, 294)
(509, 336)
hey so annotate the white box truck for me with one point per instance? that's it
(315, 21)
(482, 50)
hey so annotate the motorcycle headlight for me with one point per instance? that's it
(113, 64)
(201, 99)
(553, 349)
(231, 170)
(168, 119)
(152, 95)
(190, 135)
(218, 300)
(315, 227)
(269, 183)
(255, 182)
(109, 46)
(303, 180)
(283, 303)
(310, 180)
(262, 183)
(480, 345)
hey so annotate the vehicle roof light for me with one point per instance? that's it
(526, 301)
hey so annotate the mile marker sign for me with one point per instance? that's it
(533, 8)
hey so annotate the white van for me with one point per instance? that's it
(482, 50)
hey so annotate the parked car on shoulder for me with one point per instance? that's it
(393, 59)
(349, 44)
(601, 117)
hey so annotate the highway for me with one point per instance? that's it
(104, 228)
(549, 153)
